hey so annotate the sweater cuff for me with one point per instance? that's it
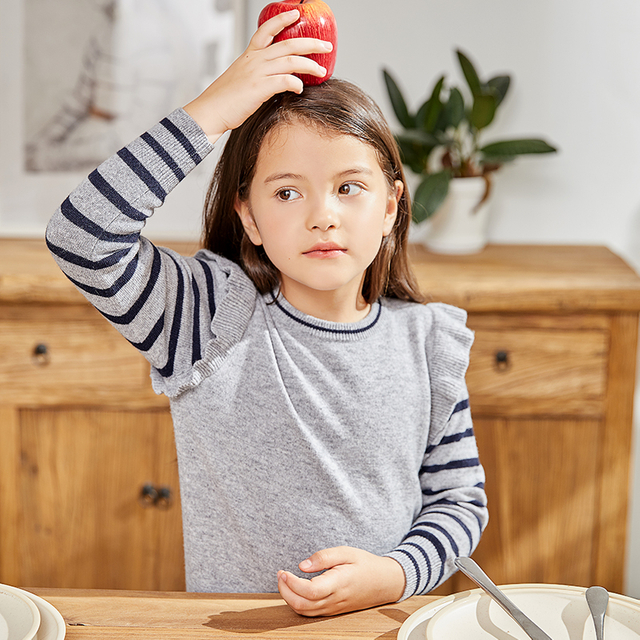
(410, 569)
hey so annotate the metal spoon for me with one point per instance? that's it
(598, 599)
(473, 571)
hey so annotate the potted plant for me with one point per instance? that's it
(441, 142)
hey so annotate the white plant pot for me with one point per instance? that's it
(460, 224)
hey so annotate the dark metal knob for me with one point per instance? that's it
(165, 499)
(148, 495)
(502, 362)
(41, 354)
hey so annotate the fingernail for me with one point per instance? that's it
(282, 576)
(290, 13)
(305, 564)
(328, 46)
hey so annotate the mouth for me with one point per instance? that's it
(325, 250)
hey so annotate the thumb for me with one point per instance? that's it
(326, 559)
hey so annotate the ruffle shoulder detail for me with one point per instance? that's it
(447, 345)
(235, 300)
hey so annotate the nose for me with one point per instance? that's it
(324, 215)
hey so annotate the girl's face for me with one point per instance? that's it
(320, 205)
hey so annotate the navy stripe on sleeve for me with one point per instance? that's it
(450, 439)
(79, 220)
(129, 316)
(461, 406)
(453, 464)
(162, 153)
(451, 515)
(415, 565)
(167, 370)
(150, 340)
(105, 189)
(208, 276)
(143, 173)
(85, 263)
(437, 546)
(182, 139)
(445, 533)
(460, 523)
(196, 350)
(115, 287)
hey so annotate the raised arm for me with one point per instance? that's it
(153, 296)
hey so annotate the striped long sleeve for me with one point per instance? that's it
(454, 504)
(151, 295)
(454, 512)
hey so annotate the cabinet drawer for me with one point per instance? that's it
(532, 366)
(69, 355)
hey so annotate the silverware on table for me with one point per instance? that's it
(597, 599)
(473, 571)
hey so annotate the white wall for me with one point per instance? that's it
(576, 80)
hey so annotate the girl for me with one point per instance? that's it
(321, 417)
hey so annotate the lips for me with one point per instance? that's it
(325, 250)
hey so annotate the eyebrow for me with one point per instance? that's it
(362, 170)
(282, 176)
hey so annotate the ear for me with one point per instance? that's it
(392, 207)
(246, 217)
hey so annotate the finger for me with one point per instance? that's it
(268, 30)
(317, 588)
(300, 603)
(281, 83)
(327, 558)
(294, 64)
(298, 47)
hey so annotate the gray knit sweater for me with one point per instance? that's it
(293, 434)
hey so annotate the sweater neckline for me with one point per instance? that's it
(328, 329)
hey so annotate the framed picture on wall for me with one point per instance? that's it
(79, 79)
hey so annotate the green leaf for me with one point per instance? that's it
(454, 109)
(420, 115)
(418, 137)
(483, 110)
(500, 86)
(415, 146)
(397, 101)
(511, 148)
(470, 74)
(435, 107)
(430, 194)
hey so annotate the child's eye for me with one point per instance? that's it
(287, 195)
(349, 189)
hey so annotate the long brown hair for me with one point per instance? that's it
(339, 107)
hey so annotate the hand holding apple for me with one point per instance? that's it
(316, 21)
(263, 70)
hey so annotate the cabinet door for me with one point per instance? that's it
(542, 479)
(80, 519)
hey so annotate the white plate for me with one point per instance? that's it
(52, 625)
(20, 618)
(561, 611)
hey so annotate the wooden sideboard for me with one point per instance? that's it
(551, 383)
(89, 492)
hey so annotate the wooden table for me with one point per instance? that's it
(107, 615)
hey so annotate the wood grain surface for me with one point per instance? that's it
(114, 615)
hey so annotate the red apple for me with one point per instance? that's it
(316, 21)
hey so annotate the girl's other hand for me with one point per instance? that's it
(261, 72)
(353, 579)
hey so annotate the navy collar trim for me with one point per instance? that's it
(330, 329)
